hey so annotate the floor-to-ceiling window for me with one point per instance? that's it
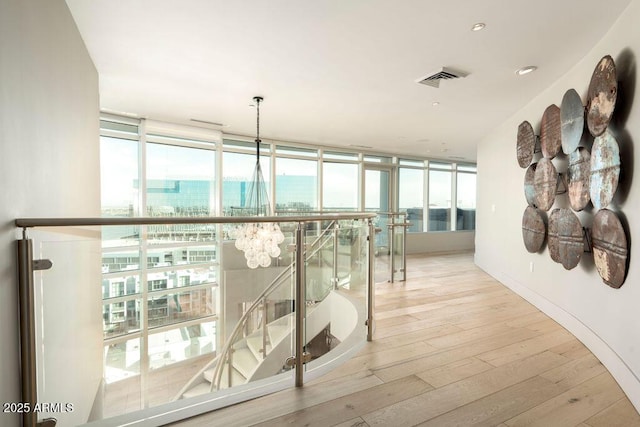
(160, 283)
(296, 183)
(340, 182)
(466, 197)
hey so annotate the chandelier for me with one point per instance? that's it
(259, 241)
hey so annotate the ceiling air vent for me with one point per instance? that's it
(444, 73)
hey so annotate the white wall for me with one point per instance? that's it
(605, 319)
(49, 155)
(444, 241)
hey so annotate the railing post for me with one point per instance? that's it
(264, 327)
(392, 249)
(404, 251)
(300, 304)
(27, 331)
(370, 282)
(335, 256)
(26, 295)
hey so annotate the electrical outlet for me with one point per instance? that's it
(531, 266)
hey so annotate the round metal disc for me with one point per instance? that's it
(605, 170)
(526, 144)
(571, 121)
(533, 229)
(610, 250)
(578, 175)
(529, 187)
(603, 91)
(545, 182)
(550, 136)
(552, 237)
(570, 239)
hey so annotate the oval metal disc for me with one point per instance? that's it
(603, 91)
(552, 236)
(605, 170)
(526, 144)
(545, 182)
(578, 175)
(570, 239)
(550, 136)
(571, 121)
(610, 249)
(533, 229)
(529, 187)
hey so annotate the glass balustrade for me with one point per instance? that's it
(157, 318)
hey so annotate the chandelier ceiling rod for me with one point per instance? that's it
(258, 100)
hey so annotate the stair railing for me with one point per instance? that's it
(225, 356)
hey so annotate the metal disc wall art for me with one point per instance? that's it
(571, 121)
(570, 239)
(533, 229)
(578, 175)
(605, 170)
(529, 187)
(610, 250)
(603, 91)
(526, 144)
(550, 136)
(546, 183)
(552, 235)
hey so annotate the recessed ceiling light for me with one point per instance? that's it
(479, 26)
(526, 70)
(435, 103)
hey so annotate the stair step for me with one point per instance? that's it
(201, 388)
(236, 377)
(254, 342)
(245, 362)
(278, 332)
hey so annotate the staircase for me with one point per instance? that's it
(263, 352)
(247, 362)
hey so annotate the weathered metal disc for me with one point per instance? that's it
(570, 239)
(605, 170)
(529, 187)
(533, 229)
(609, 248)
(550, 135)
(571, 121)
(578, 175)
(526, 144)
(552, 235)
(603, 91)
(545, 182)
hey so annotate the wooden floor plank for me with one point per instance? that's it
(453, 347)
(351, 406)
(500, 406)
(428, 405)
(573, 406)
(620, 414)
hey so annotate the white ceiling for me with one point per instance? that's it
(338, 72)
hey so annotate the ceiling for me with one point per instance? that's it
(337, 72)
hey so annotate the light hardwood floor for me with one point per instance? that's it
(453, 347)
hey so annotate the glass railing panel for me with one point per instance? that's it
(148, 333)
(69, 323)
(399, 236)
(337, 316)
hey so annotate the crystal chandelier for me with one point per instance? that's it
(258, 241)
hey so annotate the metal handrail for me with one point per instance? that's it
(79, 222)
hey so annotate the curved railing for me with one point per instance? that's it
(27, 265)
